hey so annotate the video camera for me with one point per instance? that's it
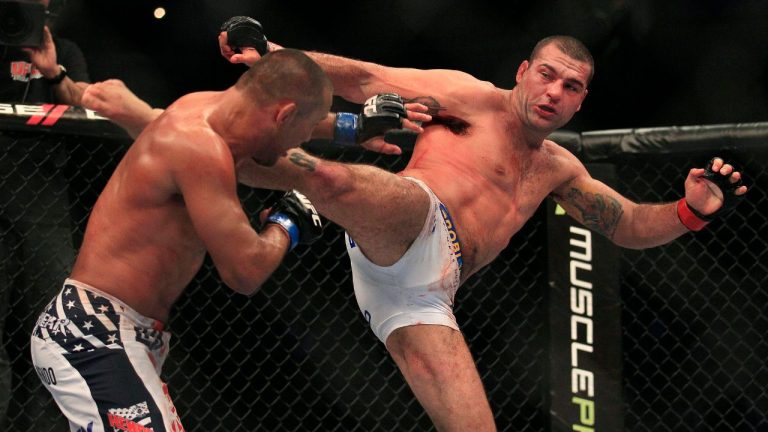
(21, 23)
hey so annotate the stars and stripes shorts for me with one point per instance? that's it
(101, 361)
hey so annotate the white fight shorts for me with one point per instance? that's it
(101, 362)
(417, 289)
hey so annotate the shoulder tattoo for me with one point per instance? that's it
(600, 213)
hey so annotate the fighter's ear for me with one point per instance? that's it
(520, 70)
(582, 99)
(285, 113)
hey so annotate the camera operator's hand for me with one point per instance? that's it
(44, 59)
(44, 56)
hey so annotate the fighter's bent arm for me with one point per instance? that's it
(639, 226)
(626, 223)
(206, 179)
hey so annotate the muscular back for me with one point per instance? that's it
(140, 244)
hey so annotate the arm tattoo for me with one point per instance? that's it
(599, 212)
(303, 161)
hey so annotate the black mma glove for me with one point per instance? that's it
(730, 199)
(298, 217)
(382, 114)
(694, 219)
(245, 32)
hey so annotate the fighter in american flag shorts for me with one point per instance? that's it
(101, 362)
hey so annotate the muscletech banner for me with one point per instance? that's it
(584, 323)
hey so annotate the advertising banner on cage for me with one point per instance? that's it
(584, 315)
(53, 118)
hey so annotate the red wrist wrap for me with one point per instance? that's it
(686, 216)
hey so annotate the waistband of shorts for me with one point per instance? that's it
(453, 235)
(447, 219)
(421, 185)
(434, 202)
(126, 310)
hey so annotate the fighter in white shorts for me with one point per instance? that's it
(420, 287)
(87, 343)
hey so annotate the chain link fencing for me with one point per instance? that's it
(298, 356)
(695, 311)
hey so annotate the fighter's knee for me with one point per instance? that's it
(333, 182)
(420, 364)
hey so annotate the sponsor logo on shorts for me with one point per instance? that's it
(149, 337)
(132, 419)
(46, 375)
(452, 235)
(53, 324)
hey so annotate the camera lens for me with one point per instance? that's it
(21, 23)
(15, 23)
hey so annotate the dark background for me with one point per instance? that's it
(658, 63)
(298, 356)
